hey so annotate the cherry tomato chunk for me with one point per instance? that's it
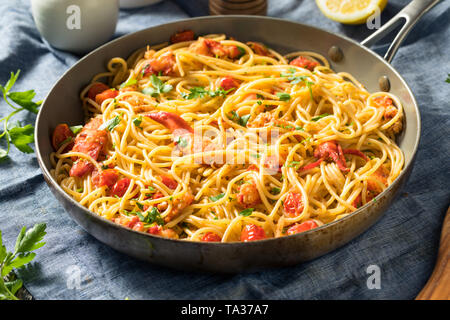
(120, 187)
(211, 237)
(252, 232)
(61, 133)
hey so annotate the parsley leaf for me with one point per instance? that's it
(18, 135)
(275, 190)
(241, 120)
(283, 96)
(21, 137)
(76, 129)
(448, 78)
(158, 87)
(218, 197)
(27, 241)
(246, 212)
(200, 92)
(320, 117)
(110, 124)
(182, 142)
(137, 121)
(130, 82)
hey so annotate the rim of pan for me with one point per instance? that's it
(57, 187)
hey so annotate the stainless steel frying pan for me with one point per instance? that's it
(63, 105)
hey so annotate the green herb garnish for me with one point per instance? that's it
(76, 129)
(283, 96)
(110, 124)
(158, 87)
(218, 197)
(246, 212)
(137, 121)
(130, 82)
(27, 241)
(20, 136)
(320, 117)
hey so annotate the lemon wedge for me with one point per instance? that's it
(350, 11)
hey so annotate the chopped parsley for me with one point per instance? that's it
(218, 197)
(110, 124)
(137, 121)
(140, 205)
(151, 217)
(283, 96)
(76, 129)
(320, 117)
(201, 92)
(182, 142)
(130, 82)
(242, 52)
(246, 212)
(293, 164)
(241, 120)
(158, 87)
(275, 190)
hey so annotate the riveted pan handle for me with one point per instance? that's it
(409, 15)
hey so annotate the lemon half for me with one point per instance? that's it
(350, 11)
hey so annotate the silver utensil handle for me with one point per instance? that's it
(410, 15)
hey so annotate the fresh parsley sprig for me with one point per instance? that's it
(297, 79)
(27, 242)
(158, 87)
(201, 92)
(17, 134)
(240, 120)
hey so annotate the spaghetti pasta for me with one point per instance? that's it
(213, 139)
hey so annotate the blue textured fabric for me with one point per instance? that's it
(403, 243)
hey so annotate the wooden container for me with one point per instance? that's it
(250, 7)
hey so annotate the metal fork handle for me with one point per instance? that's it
(410, 15)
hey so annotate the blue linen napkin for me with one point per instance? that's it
(73, 265)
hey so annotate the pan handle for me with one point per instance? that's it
(410, 15)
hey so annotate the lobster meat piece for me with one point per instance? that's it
(92, 142)
(302, 227)
(171, 121)
(164, 64)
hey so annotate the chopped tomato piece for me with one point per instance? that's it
(169, 182)
(186, 35)
(61, 134)
(228, 83)
(107, 94)
(211, 237)
(106, 178)
(252, 232)
(96, 89)
(293, 204)
(156, 230)
(303, 62)
(120, 187)
(301, 227)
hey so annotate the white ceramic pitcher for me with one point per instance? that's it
(76, 25)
